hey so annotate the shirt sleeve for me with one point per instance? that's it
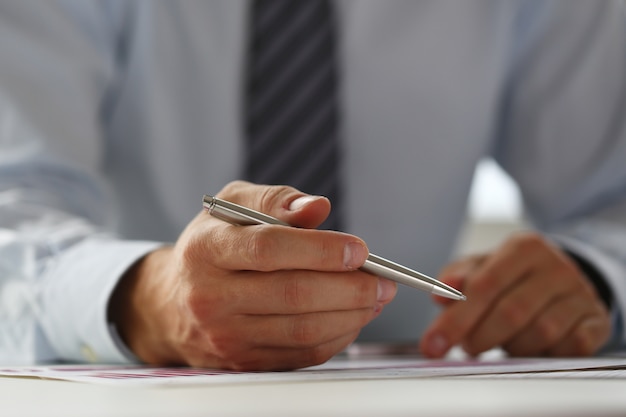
(59, 257)
(76, 320)
(562, 134)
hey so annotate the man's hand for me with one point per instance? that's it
(251, 297)
(527, 297)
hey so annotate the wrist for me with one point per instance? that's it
(138, 307)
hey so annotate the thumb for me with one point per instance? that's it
(283, 202)
(308, 211)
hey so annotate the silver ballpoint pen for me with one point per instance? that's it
(376, 265)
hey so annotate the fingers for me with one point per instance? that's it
(296, 292)
(514, 311)
(271, 359)
(570, 326)
(272, 247)
(274, 297)
(248, 323)
(258, 297)
(526, 296)
(483, 287)
(586, 339)
(211, 241)
(277, 320)
(294, 331)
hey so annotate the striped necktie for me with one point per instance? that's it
(291, 108)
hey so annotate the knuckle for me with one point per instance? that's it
(328, 251)
(514, 313)
(364, 291)
(318, 355)
(198, 305)
(304, 331)
(260, 247)
(485, 283)
(547, 330)
(273, 196)
(582, 343)
(237, 191)
(527, 241)
(566, 275)
(192, 251)
(295, 293)
(227, 345)
(203, 305)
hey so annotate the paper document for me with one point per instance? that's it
(339, 368)
(593, 373)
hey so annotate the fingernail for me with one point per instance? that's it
(378, 308)
(386, 290)
(354, 254)
(437, 345)
(302, 201)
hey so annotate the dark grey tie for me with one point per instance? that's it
(291, 108)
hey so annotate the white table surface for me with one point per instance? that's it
(430, 397)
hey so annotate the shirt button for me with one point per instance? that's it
(88, 353)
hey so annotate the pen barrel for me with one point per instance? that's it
(376, 265)
(236, 214)
(399, 277)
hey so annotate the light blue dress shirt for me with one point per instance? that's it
(117, 116)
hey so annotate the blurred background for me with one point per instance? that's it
(494, 210)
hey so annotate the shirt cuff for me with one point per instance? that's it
(76, 294)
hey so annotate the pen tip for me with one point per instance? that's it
(456, 295)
